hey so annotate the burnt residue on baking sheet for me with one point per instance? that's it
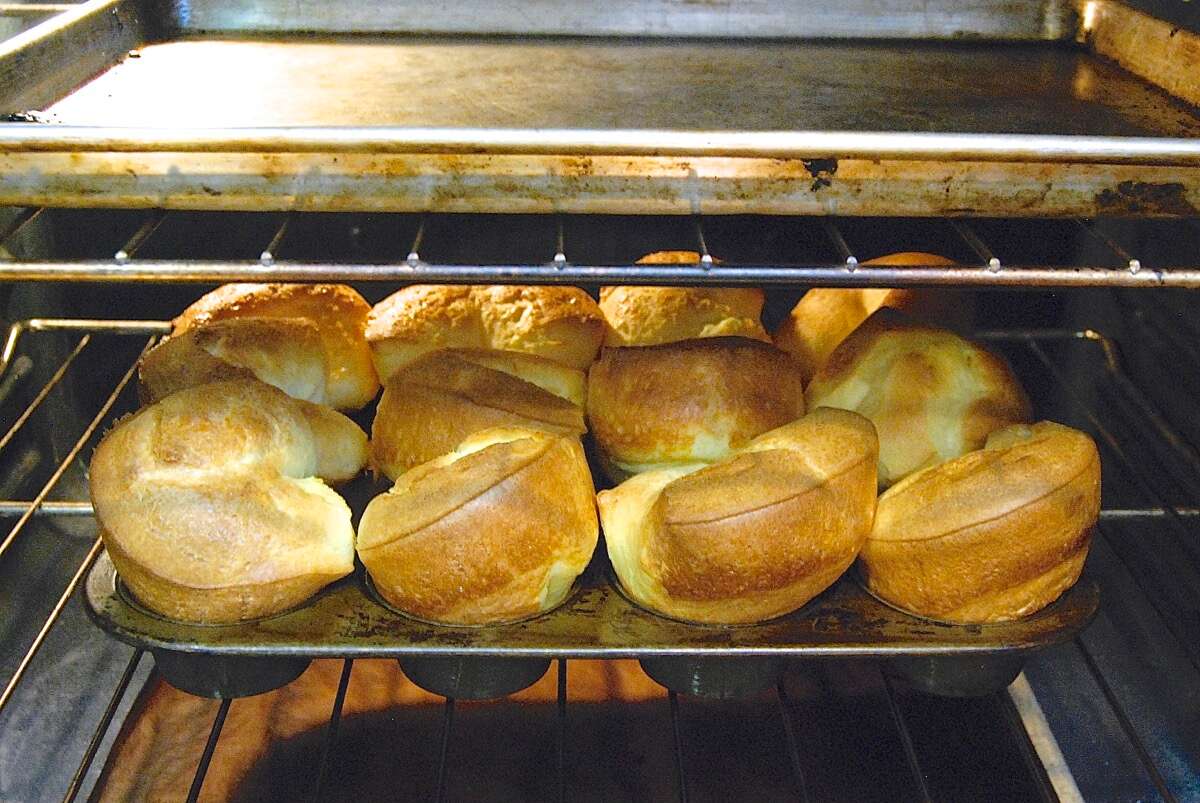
(821, 170)
(1146, 198)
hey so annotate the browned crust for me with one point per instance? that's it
(754, 536)
(886, 322)
(434, 490)
(826, 316)
(205, 502)
(223, 605)
(339, 312)
(798, 526)
(560, 323)
(1024, 599)
(753, 605)
(428, 408)
(177, 363)
(650, 404)
(188, 358)
(258, 300)
(472, 542)
(649, 316)
(672, 258)
(995, 534)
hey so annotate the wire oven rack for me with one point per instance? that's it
(983, 268)
(1124, 424)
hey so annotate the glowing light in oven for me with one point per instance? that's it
(1089, 15)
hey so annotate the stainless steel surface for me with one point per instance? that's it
(114, 702)
(829, 275)
(13, 24)
(100, 418)
(331, 729)
(1148, 46)
(19, 221)
(84, 325)
(15, 508)
(593, 185)
(992, 270)
(1033, 722)
(606, 125)
(465, 678)
(17, 529)
(588, 97)
(209, 749)
(948, 19)
(49, 60)
(43, 640)
(19, 673)
(811, 144)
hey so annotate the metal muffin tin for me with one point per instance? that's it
(345, 621)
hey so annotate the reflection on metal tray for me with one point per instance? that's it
(597, 622)
(612, 85)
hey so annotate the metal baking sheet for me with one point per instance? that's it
(610, 84)
(597, 622)
(219, 109)
(938, 19)
(612, 126)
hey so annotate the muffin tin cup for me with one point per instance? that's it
(226, 676)
(949, 675)
(468, 677)
(719, 678)
(715, 677)
(219, 676)
(473, 678)
(957, 675)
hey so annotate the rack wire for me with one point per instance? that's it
(990, 272)
(1174, 452)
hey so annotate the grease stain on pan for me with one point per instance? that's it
(822, 172)
(577, 166)
(1142, 197)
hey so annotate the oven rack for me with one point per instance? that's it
(1172, 453)
(1134, 436)
(982, 265)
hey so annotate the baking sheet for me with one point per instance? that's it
(613, 126)
(610, 84)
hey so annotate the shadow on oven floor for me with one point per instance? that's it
(619, 742)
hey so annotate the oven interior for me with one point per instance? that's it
(1110, 714)
(156, 149)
